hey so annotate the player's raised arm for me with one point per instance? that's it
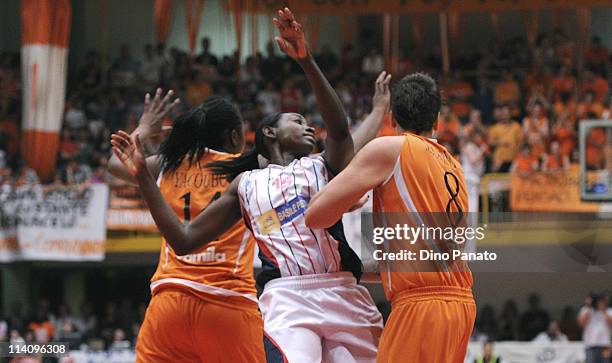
(207, 226)
(370, 167)
(149, 127)
(381, 102)
(339, 144)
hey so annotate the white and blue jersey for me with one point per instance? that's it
(273, 202)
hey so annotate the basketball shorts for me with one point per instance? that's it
(319, 318)
(182, 327)
(429, 324)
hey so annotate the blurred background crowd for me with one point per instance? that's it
(117, 325)
(508, 107)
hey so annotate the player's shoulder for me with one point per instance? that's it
(215, 155)
(385, 143)
(382, 150)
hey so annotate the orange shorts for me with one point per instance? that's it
(182, 327)
(429, 324)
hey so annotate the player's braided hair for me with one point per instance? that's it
(247, 161)
(416, 101)
(206, 126)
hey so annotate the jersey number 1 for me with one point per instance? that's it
(186, 208)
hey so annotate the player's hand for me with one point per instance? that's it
(130, 152)
(292, 40)
(588, 301)
(382, 95)
(155, 111)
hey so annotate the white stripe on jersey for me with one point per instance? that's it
(274, 200)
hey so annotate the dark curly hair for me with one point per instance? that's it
(415, 102)
(205, 127)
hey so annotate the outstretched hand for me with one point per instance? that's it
(382, 94)
(155, 110)
(292, 40)
(129, 152)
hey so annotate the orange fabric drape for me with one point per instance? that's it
(417, 30)
(495, 22)
(454, 26)
(584, 24)
(347, 26)
(532, 25)
(163, 17)
(387, 41)
(193, 16)
(238, 9)
(44, 56)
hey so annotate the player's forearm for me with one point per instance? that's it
(368, 129)
(118, 170)
(329, 103)
(175, 232)
(321, 213)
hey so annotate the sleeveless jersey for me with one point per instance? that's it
(419, 183)
(273, 202)
(222, 267)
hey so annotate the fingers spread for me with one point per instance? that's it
(289, 14)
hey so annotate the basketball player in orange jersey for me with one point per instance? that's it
(433, 312)
(204, 305)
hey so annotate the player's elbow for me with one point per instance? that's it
(181, 248)
(315, 220)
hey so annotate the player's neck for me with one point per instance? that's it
(429, 134)
(282, 158)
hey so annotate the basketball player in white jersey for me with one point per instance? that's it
(313, 308)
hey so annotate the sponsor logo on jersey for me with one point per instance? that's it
(210, 255)
(275, 218)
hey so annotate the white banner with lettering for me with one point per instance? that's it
(53, 223)
(528, 352)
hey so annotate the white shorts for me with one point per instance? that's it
(319, 318)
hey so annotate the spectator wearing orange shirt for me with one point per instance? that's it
(198, 89)
(595, 84)
(459, 93)
(504, 138)
(525, 163)
(535, 129)
(537, 81)
(554, 160)
(566, 105)
(448, 127)
(563, 84)
(43, 329)
(564, 133)
(507, 92)
(596, 141)
(589, 107)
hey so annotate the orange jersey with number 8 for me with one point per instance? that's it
(222, 267)
(426, 179)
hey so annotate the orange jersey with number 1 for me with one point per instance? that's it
(223, 267)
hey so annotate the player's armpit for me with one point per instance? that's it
(369, 168)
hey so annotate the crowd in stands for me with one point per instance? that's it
(117, 326)
(508, 107)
